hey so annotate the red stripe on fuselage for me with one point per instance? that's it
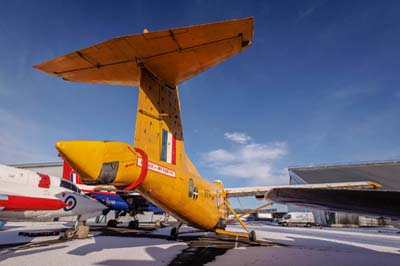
(22, 203)
(99, 192)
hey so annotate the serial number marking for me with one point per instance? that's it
(157, 168)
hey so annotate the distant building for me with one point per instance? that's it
(385, 173)
(53, 169)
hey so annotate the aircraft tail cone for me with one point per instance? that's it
(101, 162)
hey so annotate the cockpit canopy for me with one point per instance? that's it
(70, 186)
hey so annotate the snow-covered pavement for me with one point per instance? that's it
(314, 246)
(298, 246)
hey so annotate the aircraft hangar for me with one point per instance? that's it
(53, 169)
(385, 173)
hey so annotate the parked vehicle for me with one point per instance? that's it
(298, 218)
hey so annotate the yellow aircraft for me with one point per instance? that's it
(156, 165)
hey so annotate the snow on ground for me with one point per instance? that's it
(9, 233)
(98, 250)
(314, 246)
(299, 246)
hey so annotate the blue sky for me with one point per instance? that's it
(319, 85)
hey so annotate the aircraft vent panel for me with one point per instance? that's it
(108, 172)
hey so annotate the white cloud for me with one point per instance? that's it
(253, 162)
(237, 137)
(220, 156)
(305, 13)
(355, 91)
(263, 152)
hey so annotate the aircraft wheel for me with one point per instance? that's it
(112, 223)
(308, 225)
(174, 233)
(158, 223)
(69, 234)
(133, 224)
(284, 224)
(252, 236)
(163, 224)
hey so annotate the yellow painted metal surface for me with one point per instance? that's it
(173, 55)
(229, 233)
(236, 216)
(87, 158)
(157, 62)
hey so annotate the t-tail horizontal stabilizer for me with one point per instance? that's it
(173, 55)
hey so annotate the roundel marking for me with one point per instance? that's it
(71, 203)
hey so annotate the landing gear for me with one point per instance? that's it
(112, 223)
(175, 231)
(69, 234)
(164, 222)
(79, 231)
(252, 236)
(133, 224)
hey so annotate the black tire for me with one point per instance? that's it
(133, 224)
(163, 224)
(252, 236)
(308, 224)
(174, 233)
(69, 234)
(284, 224)
(112, 223)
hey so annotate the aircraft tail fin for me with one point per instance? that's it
(156, 62)
(70, 174)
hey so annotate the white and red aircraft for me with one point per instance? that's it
(29, 195)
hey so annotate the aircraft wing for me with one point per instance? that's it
(173, 55)
(361, 201)
(355, 197)
(261, 192)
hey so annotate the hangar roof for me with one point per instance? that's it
(385, 173)
(53, 168)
